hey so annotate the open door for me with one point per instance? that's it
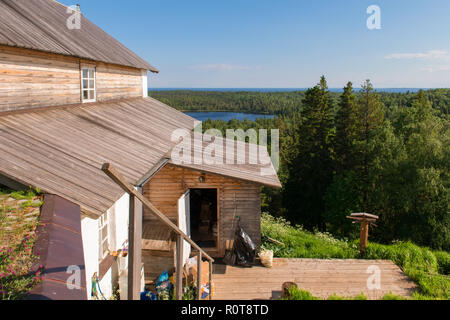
(184, 222)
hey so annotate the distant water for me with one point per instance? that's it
(391, 90)
(227, 116)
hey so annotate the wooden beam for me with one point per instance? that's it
(135, 249)
(364, 235)
(127, 187)
(210, 279)
(199, 276)
(179, 268)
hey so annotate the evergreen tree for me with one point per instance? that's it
(346, 129)
(370, 116)
(310, 169)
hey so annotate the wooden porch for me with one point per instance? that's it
(323, 278)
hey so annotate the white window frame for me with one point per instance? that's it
(88, 79)
(103, 236)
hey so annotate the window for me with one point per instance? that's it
(103, 236)
(88, 84)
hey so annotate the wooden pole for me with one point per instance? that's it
(135, 250)
(210, 279)
(199, 276)
(364, 235)
(179, 269)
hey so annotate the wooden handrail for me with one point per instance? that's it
(117, 177)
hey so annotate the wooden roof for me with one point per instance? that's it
(62, 150)
(42, 25)
(251, 162)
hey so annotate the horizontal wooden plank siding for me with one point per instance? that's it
(32, 79)
(114, 82)
(236, 198)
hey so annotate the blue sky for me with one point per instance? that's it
(282, 43)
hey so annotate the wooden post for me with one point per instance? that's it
(364, 219)
(135, 250)
(364, 235)
(179, 268)
(199, 276)
(210, 279)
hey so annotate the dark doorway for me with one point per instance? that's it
(203, 213)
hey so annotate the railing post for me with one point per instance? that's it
(199, 275)
(210, 279)
(179, 268)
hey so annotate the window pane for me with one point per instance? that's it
(105, 247)
(91, 95)
(85, 95)
(104, 232)
(85, 84)
(85, 73)
(91, 84)
(91, 73)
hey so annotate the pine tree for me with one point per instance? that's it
(310, 169)
(346, 130)
(370, 116)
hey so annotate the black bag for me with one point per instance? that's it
(244, 249)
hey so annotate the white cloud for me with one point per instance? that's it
(436, 68)
(432, 54)
(222, 67)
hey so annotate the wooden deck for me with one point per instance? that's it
(322, 278)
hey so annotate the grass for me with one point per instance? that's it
(299, 294)
(428, 269)
(19, 218)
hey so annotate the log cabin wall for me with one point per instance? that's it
(33, 79)
(236, 198)
(116, 82)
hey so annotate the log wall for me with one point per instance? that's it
(32, 79)
(236, 198)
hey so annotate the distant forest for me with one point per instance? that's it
(278, 103)
(383, 153)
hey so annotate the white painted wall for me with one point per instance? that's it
(144, 84)
(118, 233)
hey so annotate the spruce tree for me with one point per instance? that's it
(346, 130)
(310, 169)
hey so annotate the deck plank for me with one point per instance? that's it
(322, 278)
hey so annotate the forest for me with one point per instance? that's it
(358, 150)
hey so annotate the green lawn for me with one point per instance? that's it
(429, 269)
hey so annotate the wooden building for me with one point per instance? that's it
(72, 99)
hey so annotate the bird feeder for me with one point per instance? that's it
(364, 219)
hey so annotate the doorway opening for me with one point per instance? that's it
(203, 217)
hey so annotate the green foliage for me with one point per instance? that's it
(297, 294)
(391, 296)
(24, 194)
(310, 168)
(300, 243)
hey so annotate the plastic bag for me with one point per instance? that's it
(244, 249)
(266, 257)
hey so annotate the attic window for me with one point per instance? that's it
(88, 84)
